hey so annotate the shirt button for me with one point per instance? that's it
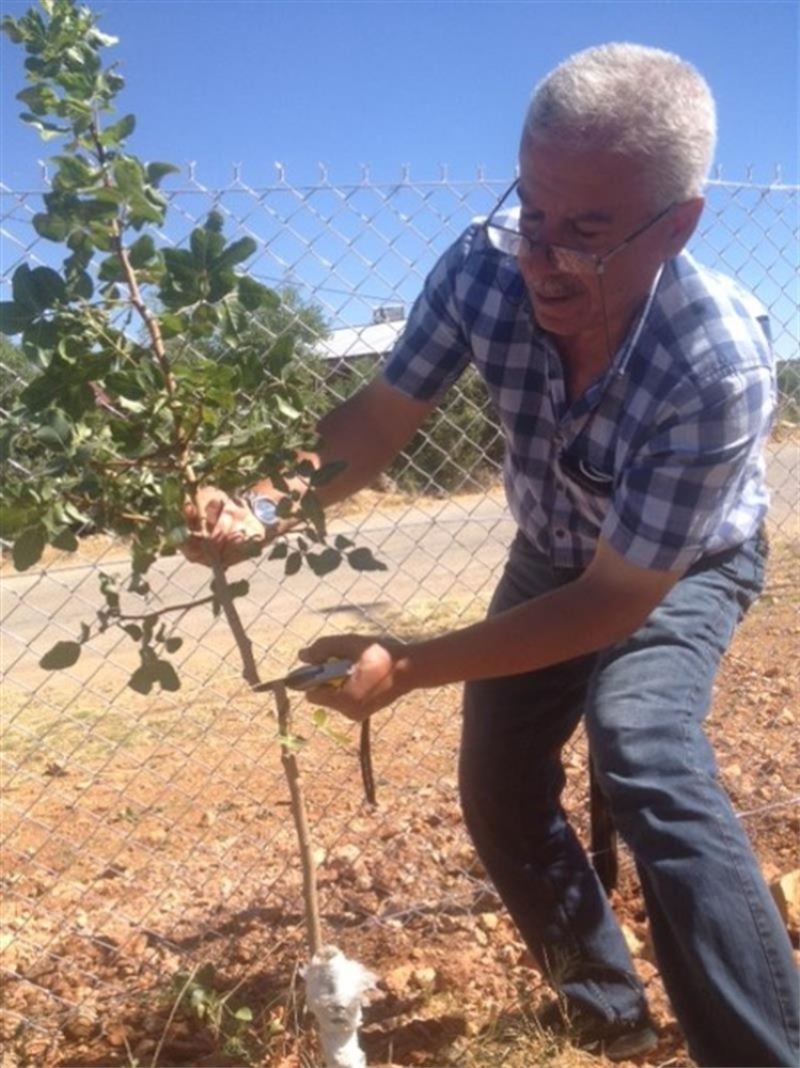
(560, 532)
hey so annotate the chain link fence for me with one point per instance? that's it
(144, 837)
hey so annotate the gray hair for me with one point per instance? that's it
(641, 102)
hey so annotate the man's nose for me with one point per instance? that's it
(536, 258)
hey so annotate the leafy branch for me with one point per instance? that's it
(147, 376)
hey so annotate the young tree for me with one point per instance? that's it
(150, 370)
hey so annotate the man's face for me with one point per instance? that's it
(590, 200)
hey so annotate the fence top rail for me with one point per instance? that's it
(405, 181)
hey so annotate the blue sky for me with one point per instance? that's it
(416, 86)
(417, 83)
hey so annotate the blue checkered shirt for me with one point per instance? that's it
(661, 456)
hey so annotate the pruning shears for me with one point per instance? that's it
(331, 673)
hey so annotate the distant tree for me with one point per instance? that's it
(15, 371)
(789, 390)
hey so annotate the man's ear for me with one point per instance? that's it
(683, 220)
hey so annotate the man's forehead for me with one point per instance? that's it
(590, 182)
(588, 214)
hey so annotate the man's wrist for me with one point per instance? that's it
(264, 508)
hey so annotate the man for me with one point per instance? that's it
(635, 391)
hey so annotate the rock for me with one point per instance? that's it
(636, 946)
(81, 1023)
(424, 977)
(116, 1035)
(398, 980)
(489, 921)
(786, 891)
(508, 954)
(344, 856)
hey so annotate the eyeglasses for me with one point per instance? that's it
(564, 259)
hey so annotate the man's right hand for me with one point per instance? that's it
(222, 528)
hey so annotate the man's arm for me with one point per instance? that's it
(606, 604)
(365, 432)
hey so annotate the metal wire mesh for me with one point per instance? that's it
(139, 834)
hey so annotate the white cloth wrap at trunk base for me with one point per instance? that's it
(335, 991)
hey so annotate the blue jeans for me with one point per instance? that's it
(722, 950)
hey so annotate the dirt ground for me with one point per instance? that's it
(151, 905)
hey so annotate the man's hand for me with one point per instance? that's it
(376, 681)
(223, 528)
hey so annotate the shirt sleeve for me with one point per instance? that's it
(433, 349)
(688, 474)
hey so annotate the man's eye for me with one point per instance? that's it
(530, 227)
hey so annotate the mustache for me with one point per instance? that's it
(554, 288)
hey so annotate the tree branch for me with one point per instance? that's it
(289, 762)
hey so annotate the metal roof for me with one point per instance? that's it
(373, 339)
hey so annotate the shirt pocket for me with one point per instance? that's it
(578, 472)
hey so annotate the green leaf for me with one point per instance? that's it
(129, 176)
(14, 517)
(66, 541)
(251, 294)
(37, 290)
(363, 560)
(156, 171)
(51, 227)
(111, 270)
(292, 742)
(13, 318)
(172, 325)
(47, 130)
(62, 655)
(285, 408)
(80, 285)
(215, 222)
(235, 253)
(319, 718)
(113, 135)
(244, 1013)
(39, 98)
(73, 173)
(28, 547)
(11, 29)
(142, 251)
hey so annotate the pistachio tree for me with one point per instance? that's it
(144, 379)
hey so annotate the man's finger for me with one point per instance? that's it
(214, 509)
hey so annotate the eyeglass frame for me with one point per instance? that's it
(598, 260)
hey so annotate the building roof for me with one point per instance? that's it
(373, 339)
